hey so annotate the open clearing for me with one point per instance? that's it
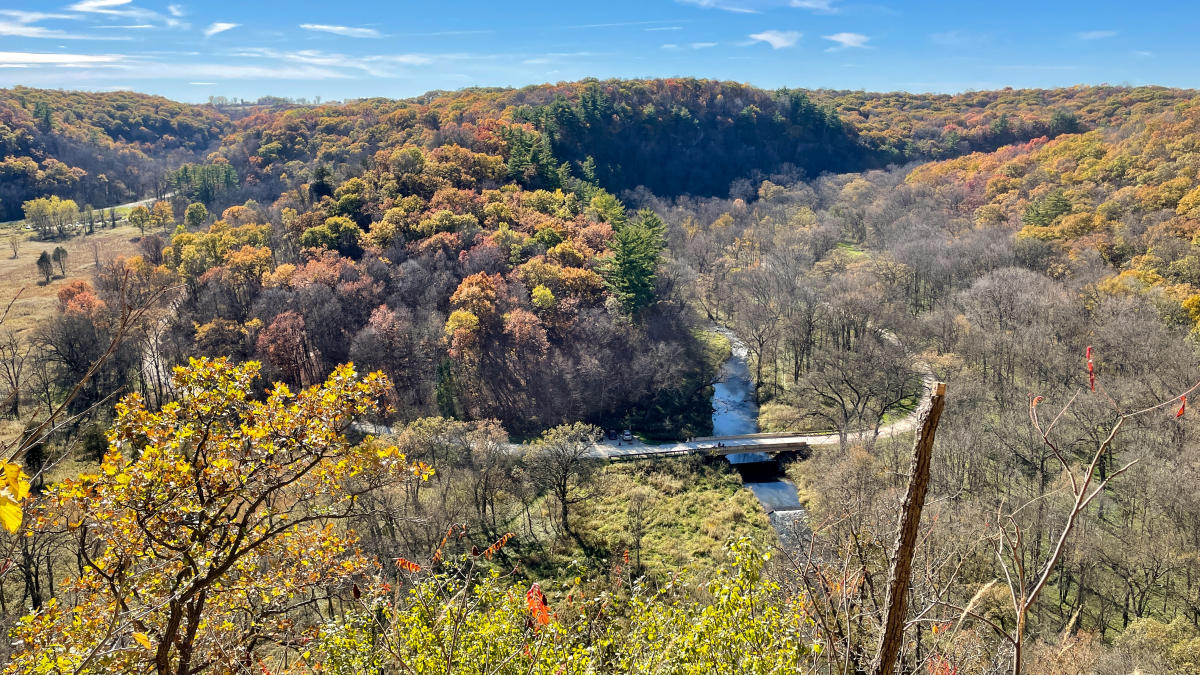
(38, 301)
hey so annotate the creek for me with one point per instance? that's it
(735, 412)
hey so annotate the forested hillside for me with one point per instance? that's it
(689, 136)
(100, 149)
(906, 127)
(544, 263)
(1129, 195)
(678, 136)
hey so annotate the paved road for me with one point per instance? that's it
(616, 449)
(141, 202)
(611, 449)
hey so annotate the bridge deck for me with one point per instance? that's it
(714, 447)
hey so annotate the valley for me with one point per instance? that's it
(331, 392)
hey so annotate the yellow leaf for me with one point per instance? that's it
(143, 640)
(10, 513)
(16, 480)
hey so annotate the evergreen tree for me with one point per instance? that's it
(41, 113)
(447, 402)
(637, 253)
(1044, 211)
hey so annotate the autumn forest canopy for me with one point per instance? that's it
(197, 478)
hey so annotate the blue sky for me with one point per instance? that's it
(192, 49)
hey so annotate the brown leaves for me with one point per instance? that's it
(491, 550)
(408, 565)
(462, 532)
(940, 665)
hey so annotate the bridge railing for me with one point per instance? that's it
(763, 436)
(710, 451)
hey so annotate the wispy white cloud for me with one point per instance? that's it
(847, 40)
(99, 6)
(175, 10)
(670, 47)
(660, 28)
(114, 8)
(223, 71)
(219, 27)
(97, 68)
(344, 31)
(739, 8)
(18, 29)
(23, 24)
(22, 16)
(24, 59)
(703, 45)
(202, 84)
(126, 9)
(376, 65)
(139, 26)
(209, 72)
(818, 6)
(1096, 34)
(778, 39)
(1142, 54)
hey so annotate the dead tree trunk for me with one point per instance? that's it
(906, 539)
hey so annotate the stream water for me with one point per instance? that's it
(735, 412)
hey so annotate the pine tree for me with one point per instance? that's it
(637, 252)
(41, 112)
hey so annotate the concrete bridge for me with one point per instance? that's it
(752, 448)
(743, 449)
(763, 446)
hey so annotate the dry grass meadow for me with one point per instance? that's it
(19, 276)
(37, 301)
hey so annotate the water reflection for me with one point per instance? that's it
(735, 412)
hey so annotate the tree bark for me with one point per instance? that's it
(896, 610)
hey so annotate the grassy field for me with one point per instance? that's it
(690, 513)
(19, 275)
